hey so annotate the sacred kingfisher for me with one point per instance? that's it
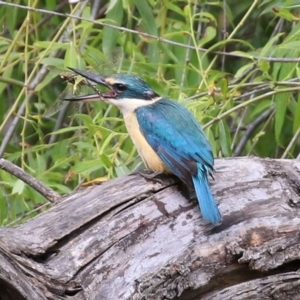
(167, 136)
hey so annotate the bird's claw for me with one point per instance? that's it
(151, 175)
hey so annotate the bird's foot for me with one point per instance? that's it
(150, 175)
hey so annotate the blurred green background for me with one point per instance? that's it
(235, 66)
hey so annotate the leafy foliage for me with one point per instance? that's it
(236, 67)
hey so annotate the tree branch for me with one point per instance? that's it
(48, 193)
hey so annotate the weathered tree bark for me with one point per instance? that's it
(132, 238)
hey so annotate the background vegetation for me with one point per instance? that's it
(235, 66)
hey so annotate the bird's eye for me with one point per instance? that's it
(120, 87)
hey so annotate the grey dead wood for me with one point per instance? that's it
(133, 238)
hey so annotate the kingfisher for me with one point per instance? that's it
(166, 134)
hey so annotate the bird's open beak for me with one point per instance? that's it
(90, 76)
(98, 79)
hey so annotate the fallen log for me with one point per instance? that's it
(133, 238)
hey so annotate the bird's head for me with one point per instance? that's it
(125, 91)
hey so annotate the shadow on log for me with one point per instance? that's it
(132, 238)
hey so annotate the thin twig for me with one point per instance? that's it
(157, 38)
(242, 22)
(243, 75)
(250, 129)
(291, 144)
(225, 34)
(188, 51)
(13, 169)
(265, 87)
(95, 8)
(259, 87)
(271, 116)
(239, 126)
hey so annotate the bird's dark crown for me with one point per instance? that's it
(128, 86)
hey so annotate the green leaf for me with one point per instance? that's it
(173, 34)
(169, 5)
(18, 187)
(212, 141)
(296, 124)
(205, 17)
(290, 45)
(269, 45)
(6, 74)
(40, 163)
(225, 139)
(122, 170)
(187, 11)
(168, 52)
(49, 77)
(70, 56)
(54, 46)
(223, 43)
(285, 14)
(111, 5)
(53, 61)
(87, 166)
(110, 35)
(281, 101)
(86, 119)
(242, 54)
(62, 189)
(210, 33)
(68, 129)
(106, 161)
(83, 145)
(148, 25)
(13, 15)
(224, 87)
(263, 65)
(244, 69)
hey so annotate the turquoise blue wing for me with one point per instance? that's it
(177, 138)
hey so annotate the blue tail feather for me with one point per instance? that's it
(208, 206)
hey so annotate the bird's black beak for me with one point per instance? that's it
(98, 79)
(90, 76)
